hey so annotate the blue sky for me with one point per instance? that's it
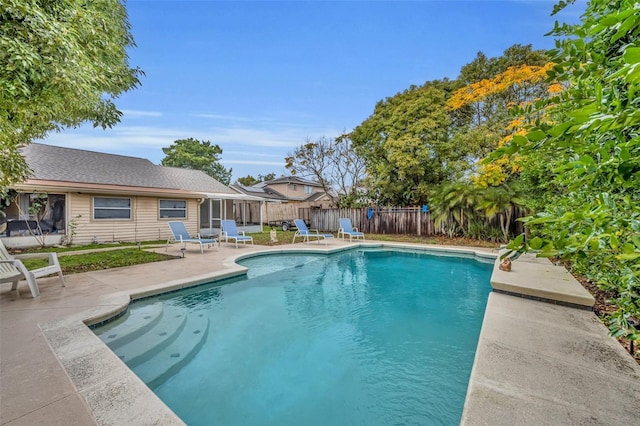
(259, 78)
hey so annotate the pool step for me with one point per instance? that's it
(133, 324)
(163, 333)
(169, 360)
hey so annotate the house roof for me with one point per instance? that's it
(53, 163)
(262, 192)
(289, 179)
(317, 196)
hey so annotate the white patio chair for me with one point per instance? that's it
(12, 270)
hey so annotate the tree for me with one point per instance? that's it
(250, 180)
(267, 177)
(590, 136)
(61, 64)
(519, 86)
(197, 155)
(406, 145)
(247, 180)
(332, 163)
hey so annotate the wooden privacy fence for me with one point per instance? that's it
(393, 220)
(288, 211)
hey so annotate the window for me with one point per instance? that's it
(111, 208)
(173, 209)
(308, 189)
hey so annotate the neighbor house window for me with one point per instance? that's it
(308, 189)
(111, 208)
(173, 209)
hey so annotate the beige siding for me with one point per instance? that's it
(273, 212)
(288, 190)
(145, 224)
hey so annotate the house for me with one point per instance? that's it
(85, 196)
(287, 189)
(287, 198)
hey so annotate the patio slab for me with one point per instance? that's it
(539, 278)
(544, 358)
(48, 376)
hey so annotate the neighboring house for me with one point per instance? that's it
(287, 189)
(287, 198)
(90, 196)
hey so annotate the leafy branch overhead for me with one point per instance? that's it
(587, 146)
(61, 64)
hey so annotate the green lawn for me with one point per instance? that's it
(131, 254)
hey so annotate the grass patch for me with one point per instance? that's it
(87, 262)
(64, 249)
(433, 239)
(285, 237)
(264, 238)
(132, 255)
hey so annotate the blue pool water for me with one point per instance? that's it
(360, 337)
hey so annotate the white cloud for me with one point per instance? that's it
(254, 162)
(240, 145)
(253, 154)
(223, 117)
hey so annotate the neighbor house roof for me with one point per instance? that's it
(289, 179)
(316, 196)
(257, 191)
(264, 191)
(54, 165)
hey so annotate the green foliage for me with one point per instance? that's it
(197, 155)
(61, 63)
(415, 141)
(96, 261)
(406, 145)
(462, 209)
(591, 146)
(250, 180)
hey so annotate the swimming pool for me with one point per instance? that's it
(358, 337)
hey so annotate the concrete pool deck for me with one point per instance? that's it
(536, 363)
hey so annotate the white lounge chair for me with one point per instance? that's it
(230, 231)
(346, 228)
(179, 233)
(12, 270)
(307, 233)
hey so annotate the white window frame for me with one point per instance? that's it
(308, 189)
(94, 208)
(161, 209)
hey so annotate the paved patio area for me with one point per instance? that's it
(40, 337)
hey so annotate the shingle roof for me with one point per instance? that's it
(259, 192)
(316, 196)
(290, 179)
(56, 163)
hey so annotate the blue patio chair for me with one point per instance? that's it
(306, 233)
(347, 229)
(179, 233)
(230, 231)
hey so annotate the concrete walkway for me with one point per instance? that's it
(53, 370)
(544, 358)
